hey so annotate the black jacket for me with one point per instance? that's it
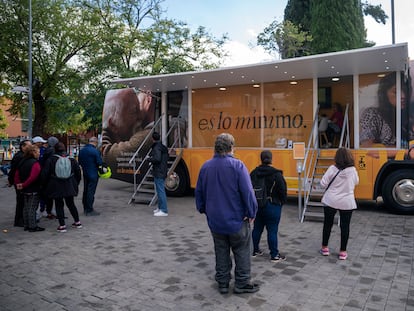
(274, 177)
(25, 171)
(60, 188)
(13, 166)
(159, 160)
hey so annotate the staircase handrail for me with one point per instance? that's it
(145, 139)
(345, 130)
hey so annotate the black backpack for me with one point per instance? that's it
(260, 191)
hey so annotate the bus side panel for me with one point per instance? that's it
(282, 159)
(367, 163)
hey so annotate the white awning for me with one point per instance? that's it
(359, 61)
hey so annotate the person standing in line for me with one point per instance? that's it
(27, 180)
(339, 181)
(269, 215)
(18, 218)
(62, 190)
(90, 159)
(45, 202)
(225, 194)
(159, 159)
(40, 142)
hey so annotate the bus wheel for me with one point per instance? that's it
(398, 192)
(176, 185)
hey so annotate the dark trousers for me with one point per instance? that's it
(241, 246)
(345, 220)
(31, 203)
(46, 203)
(89, 189)
(18, 217)
(60, 213)
(269, 217)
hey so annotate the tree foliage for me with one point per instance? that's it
(285, 38)
(3, 123)
(328, 25)
(80, 45)
(336, 27)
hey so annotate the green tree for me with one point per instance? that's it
(3, 123)
(336, 27)
(286, 39)
(62, 34)
(80, 45)
(329, 25)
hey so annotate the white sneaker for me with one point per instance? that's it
(160, 213)
(156, 210)
(38, 215)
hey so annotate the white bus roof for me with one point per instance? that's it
(359, 61)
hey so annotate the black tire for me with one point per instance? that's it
(398, 192)
(177, 184)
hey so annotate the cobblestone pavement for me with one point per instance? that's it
(126, 259)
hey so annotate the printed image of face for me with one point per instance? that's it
(392, 97)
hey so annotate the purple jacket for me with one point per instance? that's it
(225, 194)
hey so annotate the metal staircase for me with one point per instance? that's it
(317, 162)
(144, 187)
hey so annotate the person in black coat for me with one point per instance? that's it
(269, 216)
(45, 202)
(18, 218)
(62, 190)
(159, 160)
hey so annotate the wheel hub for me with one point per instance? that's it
(172, 182)
(403, 192)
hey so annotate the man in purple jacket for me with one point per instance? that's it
(225, 194)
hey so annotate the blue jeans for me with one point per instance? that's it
(89, 189)
(240, 243)
(268, 217)
(162, 197)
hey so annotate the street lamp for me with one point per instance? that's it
(29, 114)
(393, 21)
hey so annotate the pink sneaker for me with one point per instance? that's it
(324, 251)
(343, 255)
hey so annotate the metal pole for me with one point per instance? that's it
(29, 114)
(393, 21)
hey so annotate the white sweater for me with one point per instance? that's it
(340, 194)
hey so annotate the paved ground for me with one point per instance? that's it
(126, 259)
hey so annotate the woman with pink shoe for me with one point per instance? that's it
(339, 182)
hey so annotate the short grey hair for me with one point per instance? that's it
(224, 143)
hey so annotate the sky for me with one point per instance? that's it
(242, 21)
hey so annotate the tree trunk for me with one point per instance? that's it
(40, 115)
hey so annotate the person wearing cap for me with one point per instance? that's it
(225, 194)
(90, 159)
(269, 215)
(40, 142)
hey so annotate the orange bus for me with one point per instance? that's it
(276, 106)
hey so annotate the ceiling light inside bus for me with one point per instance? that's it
(335, 79)
(256, 85)
(293, 82)
(222, 89)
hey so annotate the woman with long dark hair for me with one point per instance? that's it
(378, 124)
(339, 181)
